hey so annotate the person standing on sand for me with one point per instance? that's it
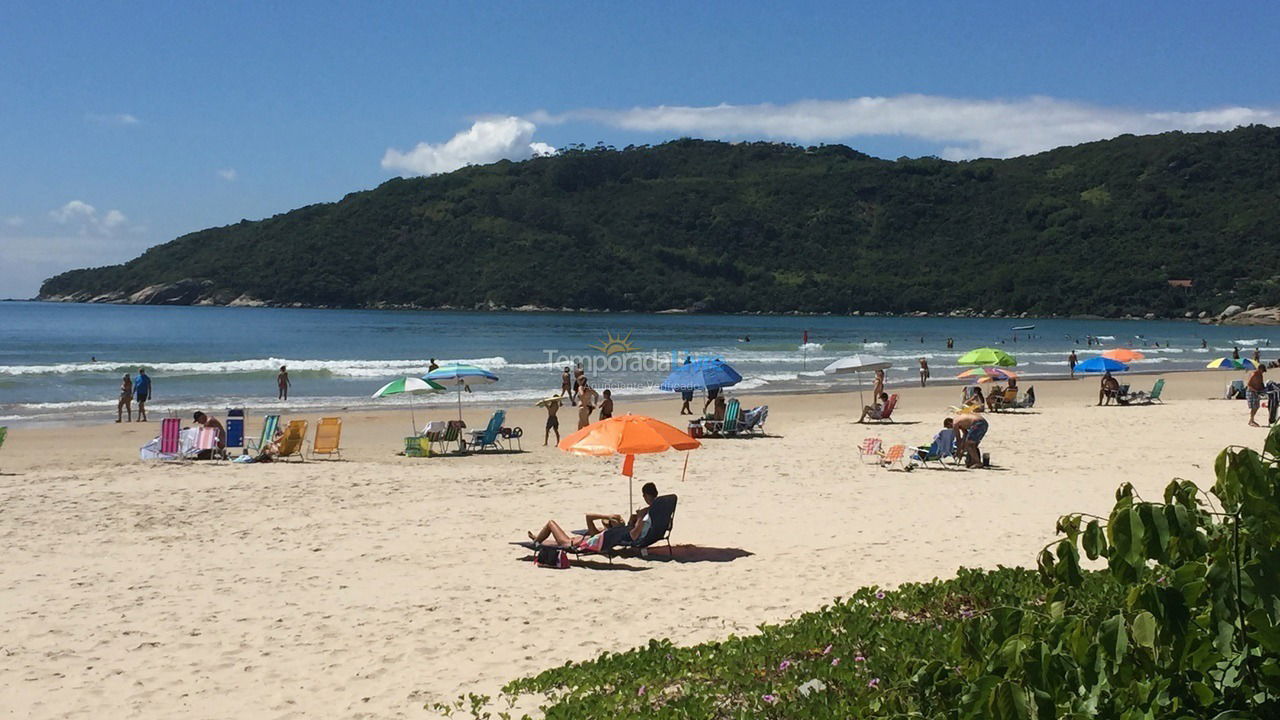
(1253, 389)
(877, 389)
(126, 398)
(586, 403)
(142, 393)
(924, 371)
(566, 385)
(1071, 363)
(606, 406)
(553, 421)
(282, 384)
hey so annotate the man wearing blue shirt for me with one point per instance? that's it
(142, 393)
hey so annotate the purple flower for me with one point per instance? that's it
(782, 666)
(835, 662)
(827, 650)
(771, 699)
(879, 595)
(874, 683)
(642, 689)
(859, 658)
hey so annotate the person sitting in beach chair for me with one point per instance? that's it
(1108, 389)
(944, 446)
(882, 410)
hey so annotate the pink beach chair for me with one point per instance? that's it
(208, 440)
(870, 448)
(170, 432)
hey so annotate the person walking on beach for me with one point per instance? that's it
(553, 421)
(712, 395)
(282, 384)
(142, 393)
(1253, 389)
(125, 404)
(566, 384)
(1071, 363)
(924, 371)
(606, 406)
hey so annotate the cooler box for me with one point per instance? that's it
(695, 430)
(235, 427)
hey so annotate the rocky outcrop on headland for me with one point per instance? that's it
(1251, 316)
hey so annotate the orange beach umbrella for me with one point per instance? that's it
(1124, 355)
(627, 435)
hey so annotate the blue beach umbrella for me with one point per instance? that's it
(701, 375)
(1101, 364)
(460, 376)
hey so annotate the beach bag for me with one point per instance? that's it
(553, 558)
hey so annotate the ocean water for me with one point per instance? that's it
(63, 362)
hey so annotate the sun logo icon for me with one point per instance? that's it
(612, 345)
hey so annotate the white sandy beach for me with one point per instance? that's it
(373, 586)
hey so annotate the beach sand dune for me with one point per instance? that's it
(376, 585)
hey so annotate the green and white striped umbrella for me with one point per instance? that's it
(409, 386)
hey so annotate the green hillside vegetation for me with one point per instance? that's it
(1182, 622)
(1098, 228)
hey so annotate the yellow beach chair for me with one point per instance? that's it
(327, 439)
(294, 437)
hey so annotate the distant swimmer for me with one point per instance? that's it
(745, 338)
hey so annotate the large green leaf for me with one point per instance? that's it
(1144, 630)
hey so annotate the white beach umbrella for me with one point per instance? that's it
(856, 365)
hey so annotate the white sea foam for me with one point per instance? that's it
(342, 368)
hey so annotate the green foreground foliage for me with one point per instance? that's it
(1183, 622)
(1099, 228)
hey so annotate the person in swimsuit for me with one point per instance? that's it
(873, 411)
(713, 394)
(282, 384)
(972, 429)
(211, 422)
(553, 422)
(606, 406)
(125, 404)
(924, 371)
(1071, 363)
(1109, 388)
(1253, 389)
(877, 388)
(566, 385)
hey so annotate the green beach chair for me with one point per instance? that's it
(1141, 398)
(732, 414)
(269, 425)
(449, 436)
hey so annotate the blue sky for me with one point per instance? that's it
(123, 125)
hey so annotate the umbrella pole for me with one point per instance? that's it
(412, 418)
(459, 402)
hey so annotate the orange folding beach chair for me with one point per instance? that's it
(328, 437)
(895, 454)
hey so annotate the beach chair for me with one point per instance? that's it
(752, 420)
(235, 428)
(207, 440)
(481, 439)
(940, 451)
(441, 441)
(170, 438)
(732, 418)
(662, 514)
(327, 439)
(295, 435)
(1006, 400)
(886, 412)
(870, 448)
(1144, 398)
(895, 454)
(1235, 390)
(270, 424)
(513, 433)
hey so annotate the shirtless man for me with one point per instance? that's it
(566, 385)
(1253, 389)
(282, 384)
(211, 422)
(1108, 389)
(553, 421)
(972, 428)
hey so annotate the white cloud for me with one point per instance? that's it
(964, 127)
(112, 118)
(14, 221)
(485, 141)
(86, 219)
(228, 174)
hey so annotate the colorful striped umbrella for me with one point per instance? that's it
(988, 374)
(1226, 363)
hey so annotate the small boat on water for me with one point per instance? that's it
(1023, 327)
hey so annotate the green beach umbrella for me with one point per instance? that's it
(988, 357)
(408, 386)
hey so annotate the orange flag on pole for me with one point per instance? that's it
(628, 465)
